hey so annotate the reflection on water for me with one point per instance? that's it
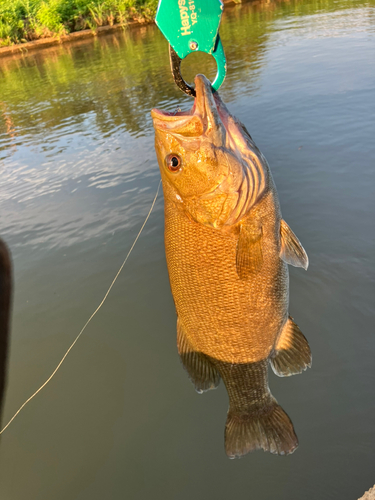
(78, 174)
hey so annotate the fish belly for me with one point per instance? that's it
(229, 319)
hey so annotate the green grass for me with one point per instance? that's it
(26, 20)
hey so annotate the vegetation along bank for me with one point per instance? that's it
(23, 21)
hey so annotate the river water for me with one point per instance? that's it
(78, 175)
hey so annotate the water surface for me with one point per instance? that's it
(78, 175)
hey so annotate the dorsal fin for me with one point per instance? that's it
(292, 252)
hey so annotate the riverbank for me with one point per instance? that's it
(24, 22)
(52, 22)
(45, 23)
(23, 48)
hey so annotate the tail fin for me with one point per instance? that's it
(269, 429)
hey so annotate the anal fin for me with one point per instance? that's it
(292, 252)
(201, 371)
(292, 351)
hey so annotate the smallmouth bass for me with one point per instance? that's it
(228, 250)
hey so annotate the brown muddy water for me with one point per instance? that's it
(78, 175)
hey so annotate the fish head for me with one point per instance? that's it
(203, 155)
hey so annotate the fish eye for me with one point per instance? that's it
(173, 162)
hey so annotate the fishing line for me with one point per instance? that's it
(90, 318)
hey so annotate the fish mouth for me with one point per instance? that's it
(201, 119)
(171, 116)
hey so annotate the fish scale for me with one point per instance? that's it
(224, 317)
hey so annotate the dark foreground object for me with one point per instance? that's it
(5, 304)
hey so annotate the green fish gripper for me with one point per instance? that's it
(191, 26)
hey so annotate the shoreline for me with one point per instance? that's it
(24, 48)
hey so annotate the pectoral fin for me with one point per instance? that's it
(249, 258)
(292, 252)
(201, 371)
